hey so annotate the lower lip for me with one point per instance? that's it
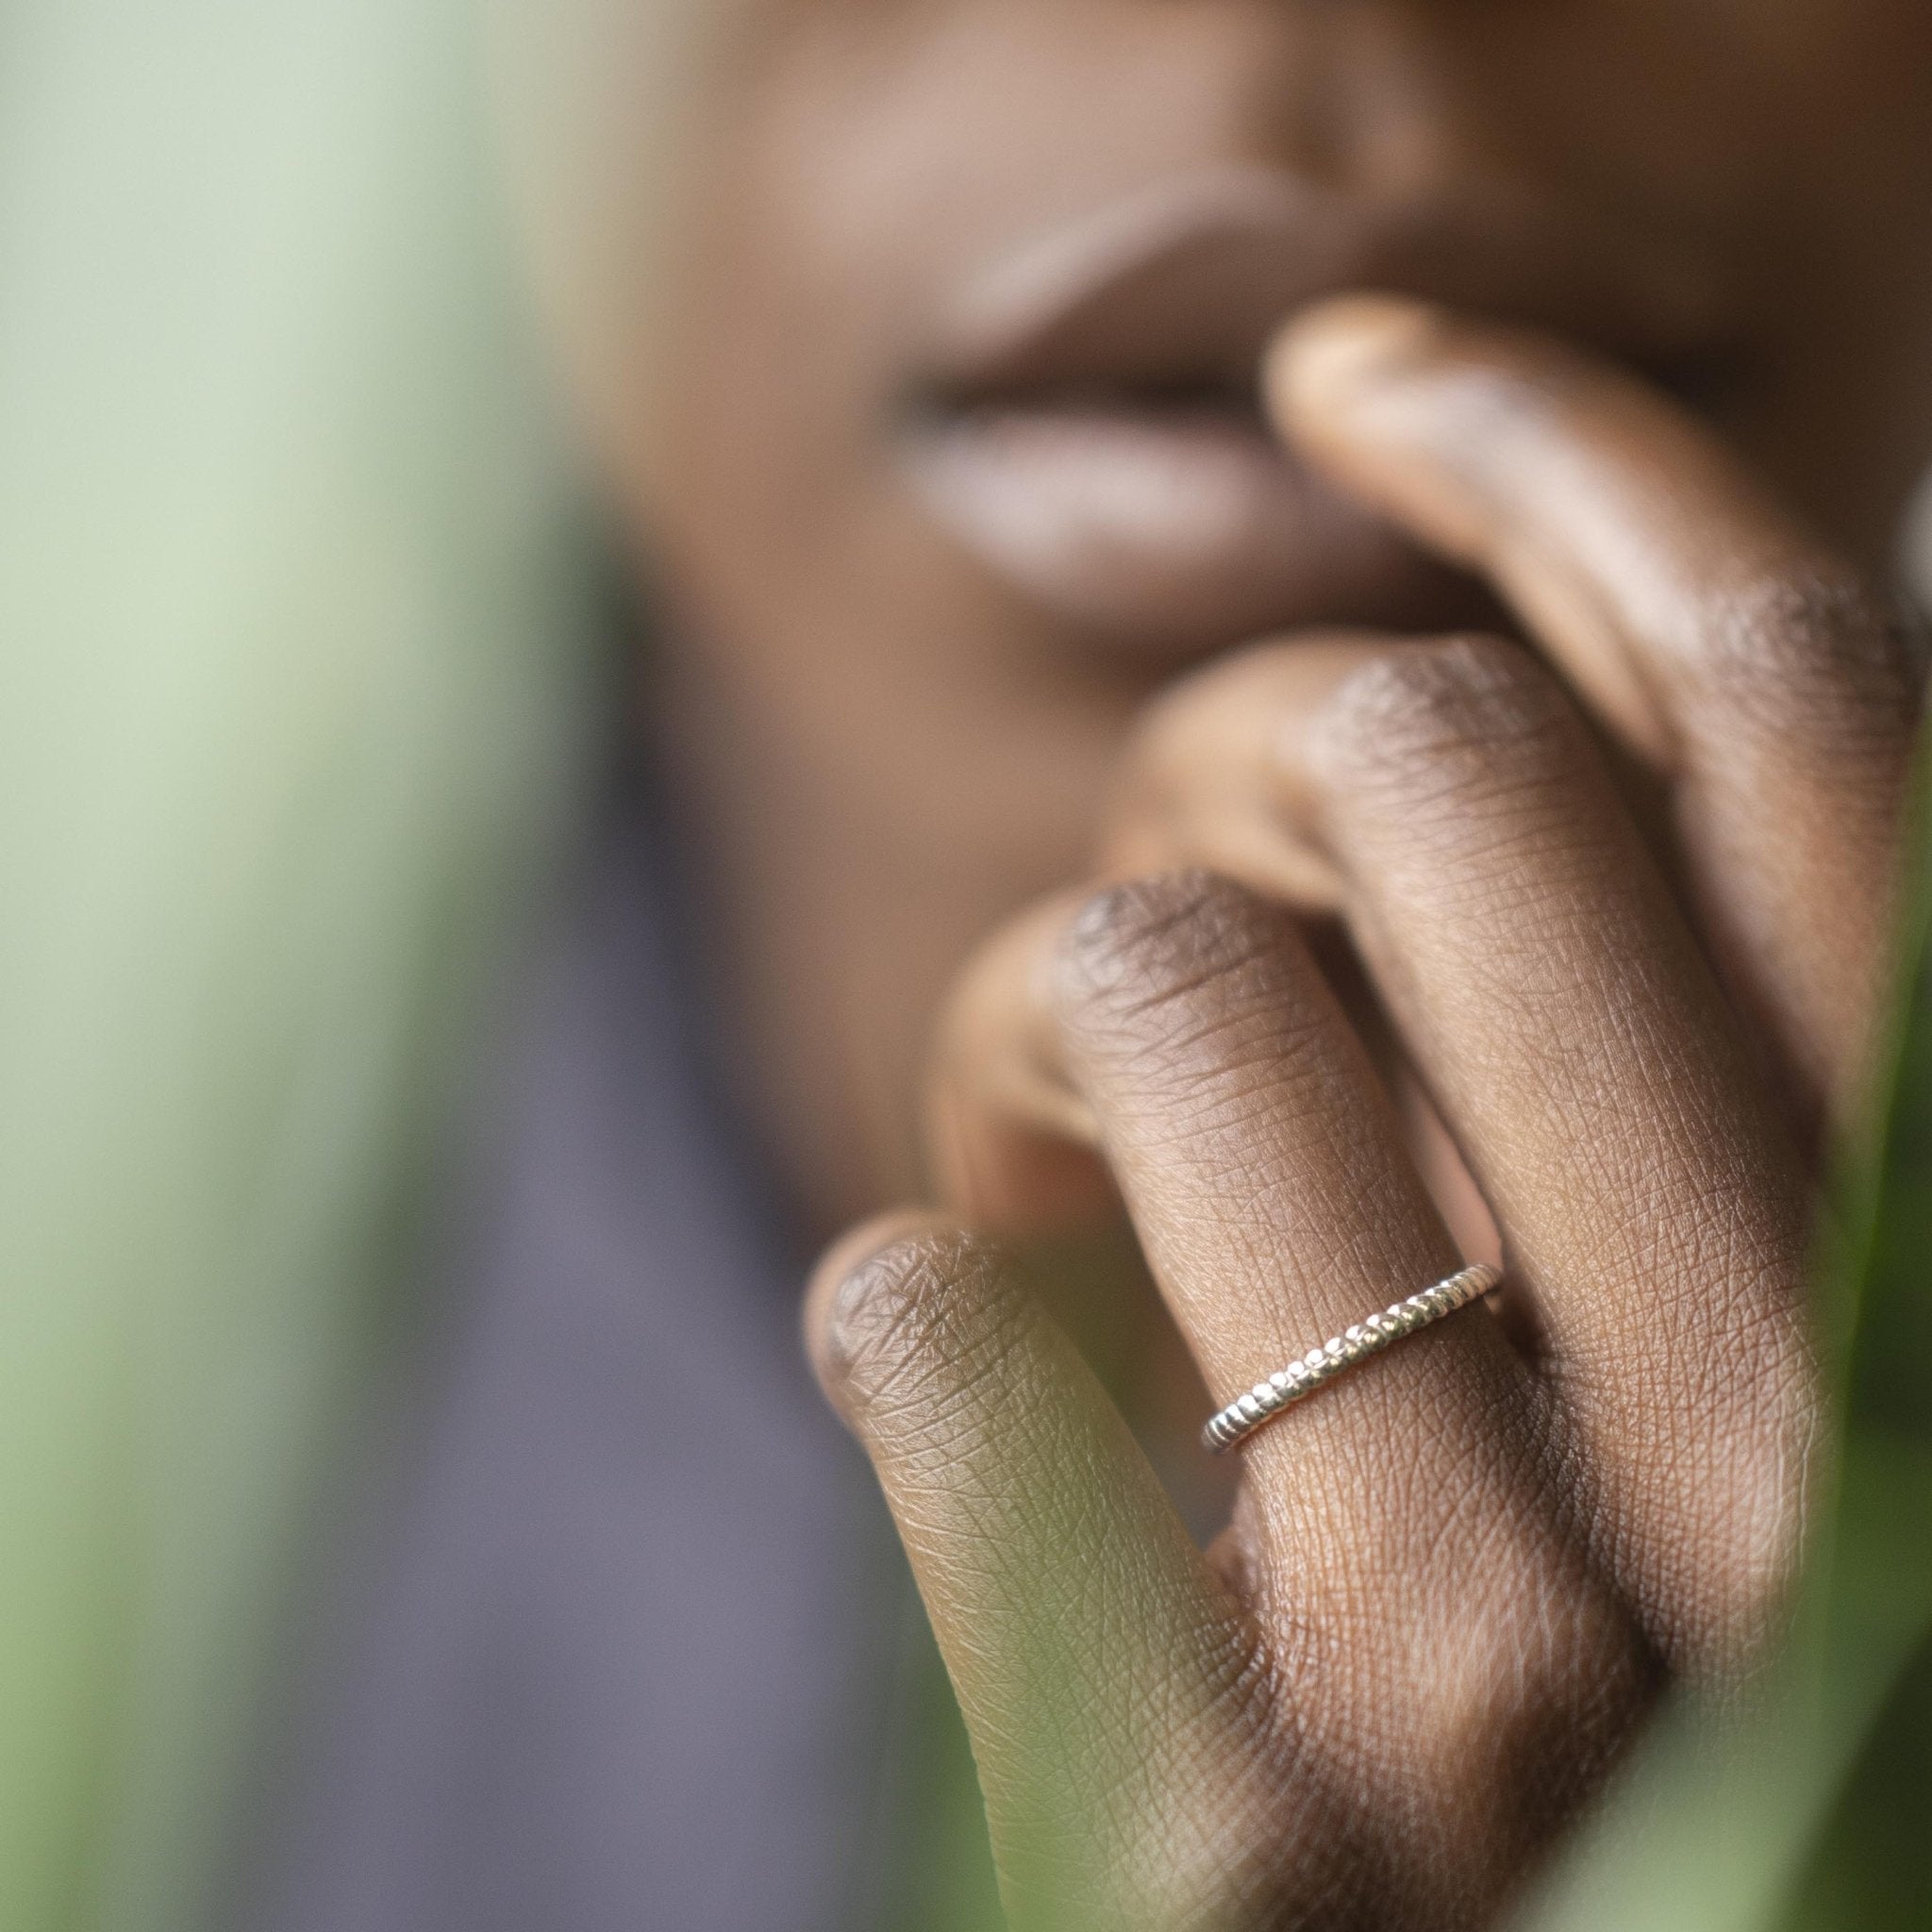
(1171, 529)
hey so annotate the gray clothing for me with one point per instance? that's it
(624, 1668)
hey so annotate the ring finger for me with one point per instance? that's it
(1449, 801)
(1265, 1172)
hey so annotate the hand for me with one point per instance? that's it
(1455, 1579)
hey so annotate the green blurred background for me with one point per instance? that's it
(289, 671)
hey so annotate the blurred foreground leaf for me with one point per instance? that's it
(1810, 1809)
(287, 680)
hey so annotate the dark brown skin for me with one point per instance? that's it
(1608, 812)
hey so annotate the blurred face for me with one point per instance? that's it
(961, 455)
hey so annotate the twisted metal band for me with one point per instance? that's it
(1355, 1345)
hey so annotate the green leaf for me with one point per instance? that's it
(1810, 1809)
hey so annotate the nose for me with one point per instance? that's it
(1367, 98)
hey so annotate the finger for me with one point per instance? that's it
(1013, 1144)
(1203, 780)
(1720, 641)
(1544, 983)
(1263, 1167)
(1264, 1171)
(1111, 1684)
(1200, 784)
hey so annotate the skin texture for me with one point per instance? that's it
(885, 741)
(1454, 1581)
(1525, 892)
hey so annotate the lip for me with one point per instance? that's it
(1088, 427)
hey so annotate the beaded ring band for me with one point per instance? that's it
(1348, 1350)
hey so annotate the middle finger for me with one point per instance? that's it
(1451, 803)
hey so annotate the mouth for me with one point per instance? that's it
(1165, 514)
(1090, 429)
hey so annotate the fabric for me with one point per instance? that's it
(636, 1625)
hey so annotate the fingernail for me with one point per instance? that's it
(1330, 351)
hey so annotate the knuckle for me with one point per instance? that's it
(1731, 1513)
(1495, 1739)
(1526, 1731)
(1513, 1729)
(902, 1309)
(1441, 716)
(1814, 654)
(1137, 948)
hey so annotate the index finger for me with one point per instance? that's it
(1724, 645)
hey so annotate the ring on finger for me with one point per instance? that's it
(1348, 1350)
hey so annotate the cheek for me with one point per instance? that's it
(844, 182)
(759, 463)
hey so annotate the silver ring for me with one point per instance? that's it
(1348, 1350)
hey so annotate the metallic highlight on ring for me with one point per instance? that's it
(1355, 1345)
